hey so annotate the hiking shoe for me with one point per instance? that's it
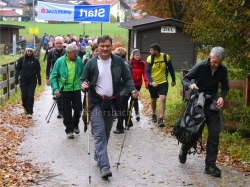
(212, 170)
(25, 111)
(29, 116)
(118, 131)
(137, 117)
(106, 173)
(154, 118)
(60, 115)
(160, 122)
(70, 135)
(182, 157)
(76, 130)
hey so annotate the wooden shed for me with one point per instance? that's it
(6, 35)
(168, 33)
(7, 31)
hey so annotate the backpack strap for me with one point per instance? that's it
(165, 59)
(153, 58)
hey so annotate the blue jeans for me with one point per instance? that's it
(101, 123)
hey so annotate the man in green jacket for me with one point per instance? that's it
(64, 81)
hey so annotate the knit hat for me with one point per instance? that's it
(29, 47)
(136, 51)
(83, 48)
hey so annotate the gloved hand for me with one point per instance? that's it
(16, 81)
(39, 83)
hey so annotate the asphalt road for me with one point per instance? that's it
(149, 156)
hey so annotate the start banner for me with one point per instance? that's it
(78, 13)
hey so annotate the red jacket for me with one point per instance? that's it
(139, 71)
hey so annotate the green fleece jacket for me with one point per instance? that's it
(60, 73)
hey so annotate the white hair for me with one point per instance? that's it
(71, 47)
(59, 38)
(219, 52)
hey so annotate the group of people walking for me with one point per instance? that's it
(111, 80)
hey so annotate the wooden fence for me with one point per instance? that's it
(243, 85)
(7, 81)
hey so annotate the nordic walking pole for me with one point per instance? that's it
(129, 118)
(87, 115)
(54, 104)
(51, 111)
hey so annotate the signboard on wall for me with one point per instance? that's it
(168, 29)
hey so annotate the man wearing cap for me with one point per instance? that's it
(82, 51)
(64, 80)
(28, 68)
(53, 55)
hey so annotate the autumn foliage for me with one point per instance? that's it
(223, 23)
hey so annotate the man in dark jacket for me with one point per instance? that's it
(208, 74)
(53, 55)
(104, 73)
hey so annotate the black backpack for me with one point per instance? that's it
(188, 129)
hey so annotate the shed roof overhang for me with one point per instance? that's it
(152, 23)
(12, 26)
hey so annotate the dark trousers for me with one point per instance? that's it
(71, 100)
(122, 115)
(213, 124)
(28, 92)
(136, 104)
(59, 105)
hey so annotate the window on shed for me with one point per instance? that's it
(135, 37)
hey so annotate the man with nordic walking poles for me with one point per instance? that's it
(69, 68)
(104, 73)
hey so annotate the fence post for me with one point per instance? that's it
(183, 89)
(246, 90)
(5, 77)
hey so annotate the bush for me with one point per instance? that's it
(25, 18)
(1, 17)
(112, 18)
(118, 19)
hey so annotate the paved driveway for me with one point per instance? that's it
(149, 156)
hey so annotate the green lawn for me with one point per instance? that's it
(92, 29)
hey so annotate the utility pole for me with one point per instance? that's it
(33, 7)
(130, 9)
